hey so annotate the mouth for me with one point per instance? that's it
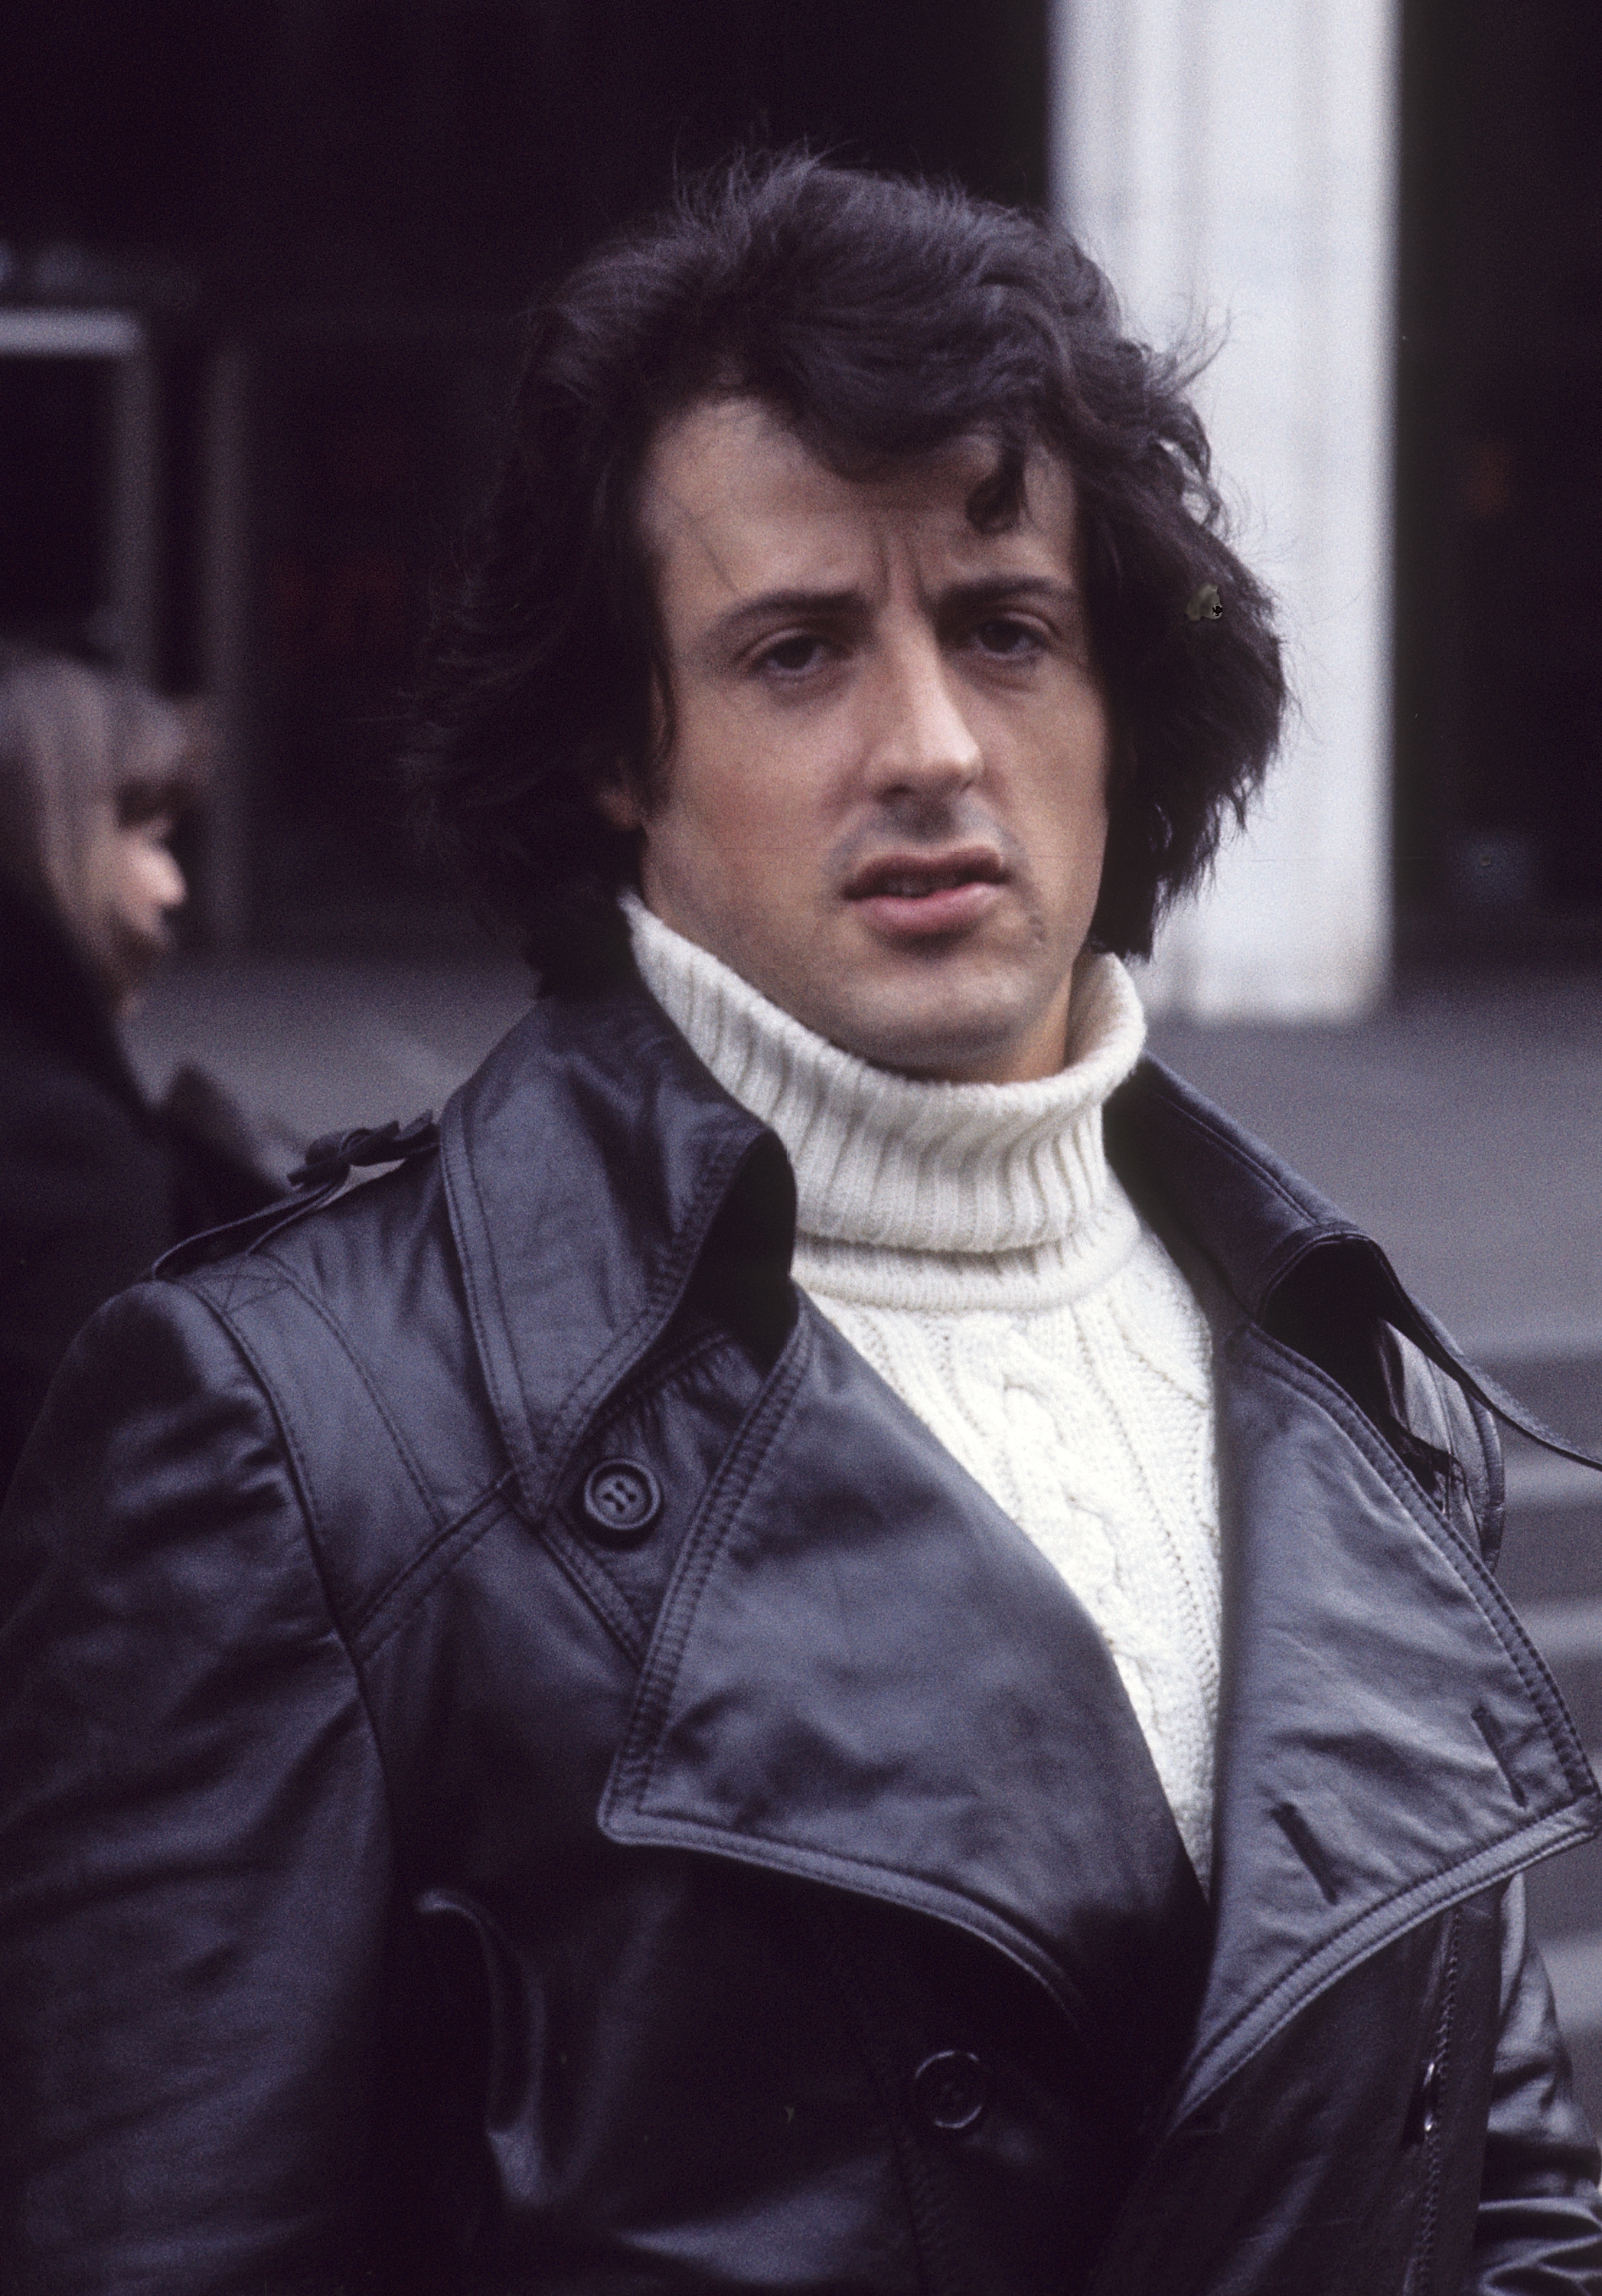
(934, 899)
(919, 877)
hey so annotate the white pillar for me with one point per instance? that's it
(1232, 163)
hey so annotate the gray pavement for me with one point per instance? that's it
(311, 1045)
(1462, 1125)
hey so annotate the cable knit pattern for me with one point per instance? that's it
(972, 1243)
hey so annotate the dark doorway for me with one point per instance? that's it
(55, 421)
(1500, 577)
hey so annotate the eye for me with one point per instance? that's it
(792, 657)
(1009, 640)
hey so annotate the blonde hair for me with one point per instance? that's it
(82, 753)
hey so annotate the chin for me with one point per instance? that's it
(937, 1046)
(132, 958)
(960, 1016)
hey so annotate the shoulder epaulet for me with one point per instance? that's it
(319, 1177)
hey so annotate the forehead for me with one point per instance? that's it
(732, 501)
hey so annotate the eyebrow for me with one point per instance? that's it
(845, 605)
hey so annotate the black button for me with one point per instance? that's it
(950, 2090)
(622, 1500)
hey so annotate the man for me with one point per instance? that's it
(550, 1746)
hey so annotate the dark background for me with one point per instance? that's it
(352, 200)
(1498, 633)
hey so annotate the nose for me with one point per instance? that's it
(164, 885)
(922, 745)
(149, 882)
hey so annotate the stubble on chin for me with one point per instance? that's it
(926, 1021)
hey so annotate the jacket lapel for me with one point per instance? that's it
(1389, 1740)
(864, 1674)
(585, 1165)
(1185, 1161)
(862, 1671)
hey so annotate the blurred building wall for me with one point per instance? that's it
(1233, 163)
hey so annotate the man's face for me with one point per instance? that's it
(886, 802)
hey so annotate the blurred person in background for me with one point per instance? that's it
(95, 774)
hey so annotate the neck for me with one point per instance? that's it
(991, 1188)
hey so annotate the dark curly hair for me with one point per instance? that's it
(882, 318)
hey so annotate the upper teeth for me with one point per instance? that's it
(913, 888)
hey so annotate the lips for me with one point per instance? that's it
(927, 900)
(915, 877)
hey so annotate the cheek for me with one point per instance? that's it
(1090, 765)
(1069, 762)
(739, 803)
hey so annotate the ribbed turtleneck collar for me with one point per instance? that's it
(998, 1190)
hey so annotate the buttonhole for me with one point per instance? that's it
(1499, 1747)
(1307, 1845)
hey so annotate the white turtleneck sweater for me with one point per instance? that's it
(971, 1241)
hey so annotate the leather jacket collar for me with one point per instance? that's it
(586, 1164)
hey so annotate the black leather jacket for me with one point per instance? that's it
(416, 1878)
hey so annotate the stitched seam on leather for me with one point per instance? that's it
(1435, 1895)
(728, 1490)
(1425, 2252)
(664, 1294)
(574, 1406)
(974, 1915)
(636, 1768)
(1239, 1156)
(729, 1487)
(1496, 1469)
(203, 1282)
(628, 1621)
(403, 1587)
(1354, 1420)
(354, 1639)
(297, 1465)
(467, 1261)
(654, 1371)
(1297, 1373)
(402, 1448)
(314, 1537)
(600, 1590)
(868, 2024)
(631, 1631)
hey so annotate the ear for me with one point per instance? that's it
(620, 802)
